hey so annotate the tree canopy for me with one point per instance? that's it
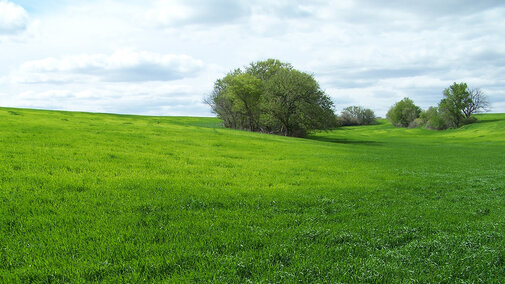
(403, 113)
(356, 115)
(459, 103)
(271, 96)
(456, 98)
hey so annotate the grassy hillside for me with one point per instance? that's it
(117, 198)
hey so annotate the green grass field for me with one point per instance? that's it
(118, 198)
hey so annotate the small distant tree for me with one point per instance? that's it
(459, 103)
(356, 115)
(403, 113)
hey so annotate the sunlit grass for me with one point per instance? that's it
(99, 197)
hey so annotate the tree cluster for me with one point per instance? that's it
(454, 110)
(272, 97)
(356, 115)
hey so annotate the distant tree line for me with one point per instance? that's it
(272, 97)
(455, 109)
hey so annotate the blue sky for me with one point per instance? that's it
(34, 6)
(162, 57)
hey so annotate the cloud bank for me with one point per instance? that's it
(162, 57)
(120, 66)
(13, 18)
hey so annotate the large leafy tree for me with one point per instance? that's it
(456, 99)
(271, 96)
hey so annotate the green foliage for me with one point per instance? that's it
(133, 199)
(469, 120)
(456, 98)
(244, 92)
(403, 113)
(460, 103)
(264, 70)
(356, 115)
(432, 118)
(270, 96)
(294, 104)
(418, 122)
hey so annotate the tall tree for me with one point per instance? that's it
(456, 99)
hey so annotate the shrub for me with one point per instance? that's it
(356, 115)
(469, 120)
(434, 119)
(418, 122)
(403, 113)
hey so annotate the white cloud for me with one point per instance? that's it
(173, 13)
(168, 13)
(121, 66)
(361, 51)
(205, 13)
(152, 98)
(13, 18)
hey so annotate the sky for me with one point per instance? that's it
(163, 57)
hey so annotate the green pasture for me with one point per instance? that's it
(127, 199)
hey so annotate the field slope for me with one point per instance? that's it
(117, 198)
